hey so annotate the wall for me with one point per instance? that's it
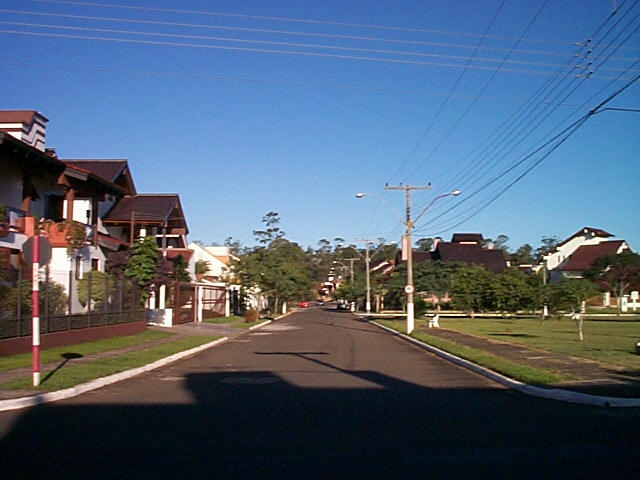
(12, 346)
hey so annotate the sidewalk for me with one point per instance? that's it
(181, 330)
(591, 377)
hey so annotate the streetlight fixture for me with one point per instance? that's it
(409, 224)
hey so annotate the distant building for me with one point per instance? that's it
(464, 248)
(573, 256)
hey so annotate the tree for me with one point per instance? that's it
(500, 243)
(425, 244)
(279, 268)
(433, 278)
(272, 231)
(142, 263)
(510, 291)
(469, 287)
(234, 245)
(180, 273)
(201, 268)
(571, 294)
(617, 273)
(548, 244)
(522, 256)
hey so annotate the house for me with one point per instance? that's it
(156, 214)
(574, 255)
(27, 177)
(219, 259)
(464, 248)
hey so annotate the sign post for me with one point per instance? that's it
(35, 327)
(36, 251)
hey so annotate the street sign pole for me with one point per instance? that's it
(35, 323)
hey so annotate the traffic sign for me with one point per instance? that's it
(44, 250)
(408, 289)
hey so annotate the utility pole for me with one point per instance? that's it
(407, 247)
(351, 260)
(367, 261)
(407, 244)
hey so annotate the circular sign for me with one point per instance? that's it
(408, 289)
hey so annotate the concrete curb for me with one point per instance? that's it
(548, 393)
(17, 403)
(266, 322)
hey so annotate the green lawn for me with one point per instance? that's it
(234, 321)
(56, 379)
(55, 354)
(610, 341)
(522, 373)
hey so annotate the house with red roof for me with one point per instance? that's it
(98, 197)
(576, 254)
(463, 248)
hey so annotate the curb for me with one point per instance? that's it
(17, 403)
(266, 322)
(557, 394)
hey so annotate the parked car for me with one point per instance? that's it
(304, 304)
(342, 305)
(319, 302)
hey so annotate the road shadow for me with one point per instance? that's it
(317, 421)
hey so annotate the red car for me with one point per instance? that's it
(304, 304)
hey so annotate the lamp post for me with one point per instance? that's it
(409, 224)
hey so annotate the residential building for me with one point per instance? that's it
(464, 248)
(577, 253)
(219, 259)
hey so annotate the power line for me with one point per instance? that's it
(280, 52)
(297, 20)
(527, 130)
(289, 44)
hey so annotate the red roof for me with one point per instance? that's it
(584, 256)
(467, 237)
(18, 116)
(596, 232)
(151, 209)
(114, 171)
(473, 254)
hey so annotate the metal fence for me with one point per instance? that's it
(67, 303)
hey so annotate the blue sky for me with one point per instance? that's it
(245, 107)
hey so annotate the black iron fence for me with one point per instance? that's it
(68, 303)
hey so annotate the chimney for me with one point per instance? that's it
(436, 241)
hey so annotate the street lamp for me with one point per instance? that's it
(409, 224)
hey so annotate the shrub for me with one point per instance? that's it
(251, 316)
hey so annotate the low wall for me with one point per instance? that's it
(12, 346)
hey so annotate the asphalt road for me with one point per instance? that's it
(318, 394)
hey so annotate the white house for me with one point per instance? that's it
(577, 253)
(219, 259)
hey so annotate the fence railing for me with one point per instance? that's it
(95, 299)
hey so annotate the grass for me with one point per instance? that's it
(54, 354)
(234, 321)
(523, 373)
(610, 342)
(74, 375)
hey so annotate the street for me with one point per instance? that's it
(317, 394)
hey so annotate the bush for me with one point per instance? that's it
(251, 316)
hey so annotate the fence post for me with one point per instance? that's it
(69, 298)
(89, 305)
(46, 298)
(105, 300)
(19, 306)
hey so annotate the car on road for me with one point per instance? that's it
(342, 305)
(304, 304)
